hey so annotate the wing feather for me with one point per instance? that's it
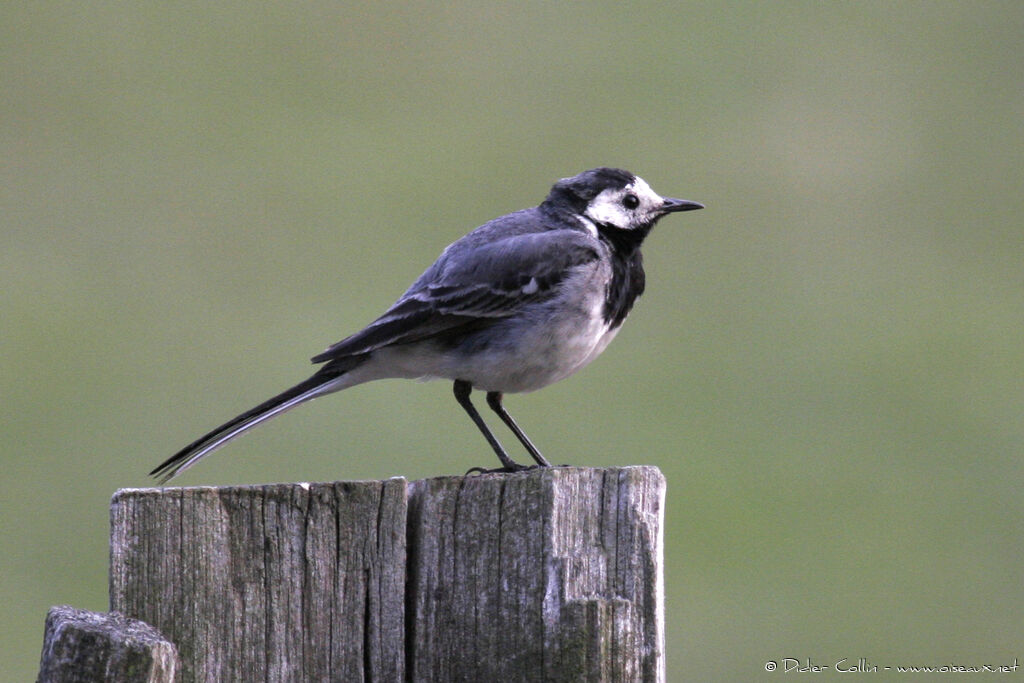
(473, 285)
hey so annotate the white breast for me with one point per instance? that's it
(544, 343)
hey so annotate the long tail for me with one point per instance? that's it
(316, 385)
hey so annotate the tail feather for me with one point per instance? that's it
(204, 445)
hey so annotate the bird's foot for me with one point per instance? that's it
(501, 470)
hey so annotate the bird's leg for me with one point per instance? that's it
(462, 389)
(494, 401)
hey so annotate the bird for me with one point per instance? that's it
(524, 300)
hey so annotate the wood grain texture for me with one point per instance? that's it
(286, 582)
(85, 647)
(551, 574)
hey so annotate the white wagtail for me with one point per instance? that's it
(524, 300)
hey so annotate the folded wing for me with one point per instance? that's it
(472, 285)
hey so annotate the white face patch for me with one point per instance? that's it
(613, 207)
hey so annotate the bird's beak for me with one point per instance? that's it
(671, 205)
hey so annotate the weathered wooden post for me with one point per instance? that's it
(551, 574)
(85, 647)
(285, 582)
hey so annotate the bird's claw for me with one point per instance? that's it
(501, 470)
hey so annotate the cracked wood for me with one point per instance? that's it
(552, 574)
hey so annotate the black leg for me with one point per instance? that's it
(462, 390)
(494, 401)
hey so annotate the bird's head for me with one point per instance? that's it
(611, 198)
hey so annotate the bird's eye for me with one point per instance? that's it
(630, 201)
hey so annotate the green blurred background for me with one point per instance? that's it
(828, 365)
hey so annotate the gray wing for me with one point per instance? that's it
(471, 286)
